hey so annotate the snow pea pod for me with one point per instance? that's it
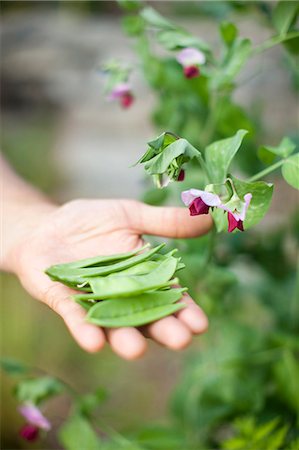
(114, 285)
(75, 276)
(86, 304)
(99, 260)
(135, 311)
(91, 296)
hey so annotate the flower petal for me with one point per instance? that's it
(119, 90)
(190, 195)
(29, 432)
(126, 100)
(209, 198)
(232, 222)
(190, 56)
(198, 207)
(247, 200)
(191, 71)
(34, 416)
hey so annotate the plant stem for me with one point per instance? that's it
(209, 126)
(266, 171)
(211, 245)
(269, 43)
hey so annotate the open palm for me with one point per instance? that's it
(86, 228)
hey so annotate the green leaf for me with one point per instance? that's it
(286, 375)
(260, 202)
(152, 17)
(155, 197)
(38, 389)
(237, 55)
(160, 163)
(267, 153)
(220, 154)
(228, 32)
(77, 434)
(290, 171)
(12, 366)
(284, 15)
(89, 402)
(130, 5)
(177, 39)
(133, 25)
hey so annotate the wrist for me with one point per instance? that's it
(21, 219)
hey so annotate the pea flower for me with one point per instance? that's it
(123, 93)
(191, 58)
(36, 421)
(236, 216)
(200, 202)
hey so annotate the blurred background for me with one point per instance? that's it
(60, 133)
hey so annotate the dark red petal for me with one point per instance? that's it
(198, 207)
(191, 71)
(240, 225)
(181, 176)
(232, 222)
(126, 100)
(29, 432)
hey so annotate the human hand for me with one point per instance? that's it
(86, 228)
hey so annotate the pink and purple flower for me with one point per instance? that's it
(123, 93)
(36, 421)
(191, 59)
(199, 202)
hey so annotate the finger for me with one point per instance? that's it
(170, 332)
(192, 316)
(90, 337)
(127, 342)
(170, 222)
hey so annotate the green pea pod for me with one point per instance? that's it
(119, 293)
(86, 303)
(135, 311)
(99, 260)
(140, 269)
(74, 276)
(114, 285)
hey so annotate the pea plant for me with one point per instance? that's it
(241, 390)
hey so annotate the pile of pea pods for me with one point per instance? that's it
(127, 289)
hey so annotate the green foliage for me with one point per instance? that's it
(12, 366)
(261, 199)
(37, 390)
(286, 375)
(284, 15)
(228, 32)
(234, 59)
(130, 5)
(77, 433)
(268, 153)
(153, 18)
(88, 403)
(178, 39)
(219, 155)
(290, 171)
(251, 436)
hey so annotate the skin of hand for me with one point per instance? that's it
(86, 228)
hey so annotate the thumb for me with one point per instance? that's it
(170, 221)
